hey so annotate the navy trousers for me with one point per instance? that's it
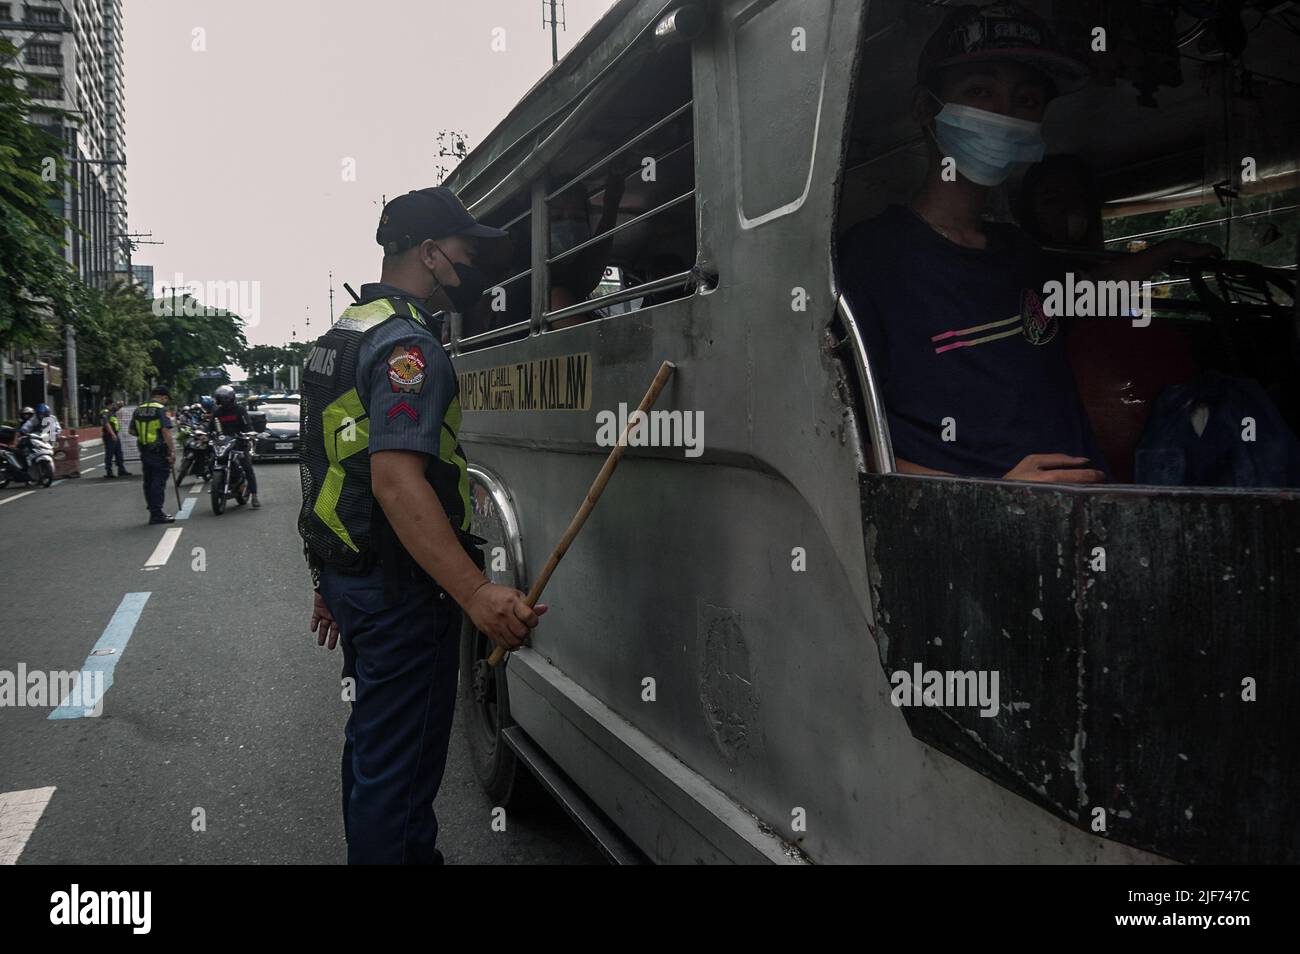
(113, 452)
(403, 654)
(157, 472)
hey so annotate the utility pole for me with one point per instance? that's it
(556, 22)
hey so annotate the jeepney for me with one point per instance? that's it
(715, 678)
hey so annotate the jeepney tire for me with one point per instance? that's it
(503, 778)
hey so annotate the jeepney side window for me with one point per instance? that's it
(621, 202)
(507, 303)
(1079, 291)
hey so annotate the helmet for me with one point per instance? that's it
(224, 394)
(206, 402)
(42, 409)
(27, 412)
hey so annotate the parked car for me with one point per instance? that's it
(280, 436)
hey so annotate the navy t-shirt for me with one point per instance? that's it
(959, 333)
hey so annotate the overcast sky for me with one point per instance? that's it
(235, 152)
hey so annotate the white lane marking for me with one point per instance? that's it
(16, 496)
(162, 553)
(186, 507)
(89, 456)
(196, 489)
(19, 813)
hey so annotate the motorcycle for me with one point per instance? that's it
(197, 457)
(230, 470)
(38, 466)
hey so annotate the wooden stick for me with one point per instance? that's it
(597, 488)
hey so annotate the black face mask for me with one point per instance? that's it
(473, 283)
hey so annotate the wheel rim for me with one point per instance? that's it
(483, 693)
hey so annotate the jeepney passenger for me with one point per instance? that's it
(976, 377)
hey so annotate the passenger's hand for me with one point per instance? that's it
(1055, 469)
(323, 625)
(502, 614)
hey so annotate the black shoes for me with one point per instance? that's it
(111, 476)
(165, 518)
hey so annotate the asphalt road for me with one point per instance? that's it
(220, 700)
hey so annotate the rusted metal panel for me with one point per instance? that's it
(1125, 688)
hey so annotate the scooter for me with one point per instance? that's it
(34, 466)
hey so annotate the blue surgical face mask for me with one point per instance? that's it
(985, 145)
(566, 233)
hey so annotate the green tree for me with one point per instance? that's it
(190, 337)
(114, 338)
(35, 279)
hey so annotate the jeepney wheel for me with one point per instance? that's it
(485, 713)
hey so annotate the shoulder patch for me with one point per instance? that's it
(406, 369)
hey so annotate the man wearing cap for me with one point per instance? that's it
(976, 376)
(385, 522)
(152, 428)
(110, 429)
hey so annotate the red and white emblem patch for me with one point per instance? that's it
(406, 369)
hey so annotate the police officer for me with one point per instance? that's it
(112, 433)
(153, 433)
(385, 521)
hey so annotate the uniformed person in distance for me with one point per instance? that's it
(153, 434)
(385, 522)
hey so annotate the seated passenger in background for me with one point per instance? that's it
(574, 279)
(1120, 368)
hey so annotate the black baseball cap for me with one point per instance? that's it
(432, 213)
(161, 389)
(1000, 31)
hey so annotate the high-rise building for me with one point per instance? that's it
(70, 52)
(143, 275)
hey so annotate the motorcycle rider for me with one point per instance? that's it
(232, 420)
(24, 416)
(42, 423)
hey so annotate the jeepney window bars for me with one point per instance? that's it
(660, 284)
(657, 161)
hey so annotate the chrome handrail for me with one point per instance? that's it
(881, 445)
(613, 298)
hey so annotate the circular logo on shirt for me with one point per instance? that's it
(1037, 325)
(406, 369)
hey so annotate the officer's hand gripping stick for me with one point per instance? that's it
(597, 488)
